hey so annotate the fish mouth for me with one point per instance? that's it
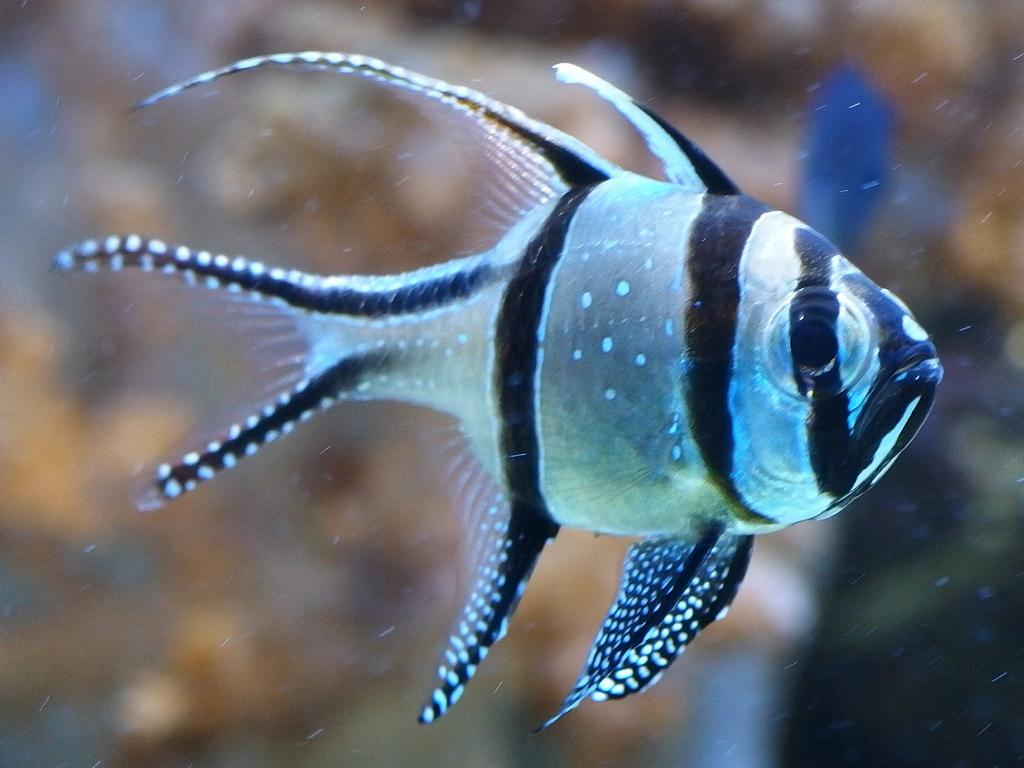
(918, 374)
(900, 402)
(913, 383)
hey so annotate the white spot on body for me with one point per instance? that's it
(609, 394)
(607, 344)
(586, 300)
(640, 360)
(622, 289)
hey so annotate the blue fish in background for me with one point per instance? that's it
(848, 145)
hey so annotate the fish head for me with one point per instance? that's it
(837, 378)
(889, 402)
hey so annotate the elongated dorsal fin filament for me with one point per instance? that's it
(569, 161)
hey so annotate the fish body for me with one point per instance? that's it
(667, 359)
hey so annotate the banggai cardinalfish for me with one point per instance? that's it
(670, 360)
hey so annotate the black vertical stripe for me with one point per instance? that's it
(516, 334)
(717, 240)
(530, 524)
(828, 433)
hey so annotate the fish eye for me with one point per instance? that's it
(813, 341)
(818, 343)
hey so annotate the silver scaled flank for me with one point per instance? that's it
(665, 359)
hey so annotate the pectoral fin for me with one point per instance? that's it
(671, 589)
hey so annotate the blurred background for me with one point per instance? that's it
(290, 613)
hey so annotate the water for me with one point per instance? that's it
(289, 613)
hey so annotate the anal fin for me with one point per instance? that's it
(671, 589)
(511, 538)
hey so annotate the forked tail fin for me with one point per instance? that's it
(357, 337)
(335, 357)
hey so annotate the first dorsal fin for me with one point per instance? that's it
(683, 161)
(671, 589)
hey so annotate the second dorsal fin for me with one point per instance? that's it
(553, 157)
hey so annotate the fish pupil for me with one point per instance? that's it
(814, 344)
(814, 348)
